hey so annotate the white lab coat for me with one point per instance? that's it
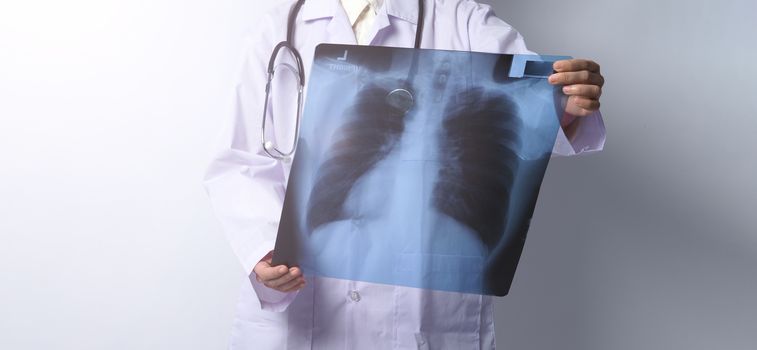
(247, 188)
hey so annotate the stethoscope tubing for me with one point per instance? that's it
(268, 147)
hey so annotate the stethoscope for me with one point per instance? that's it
(398, 96)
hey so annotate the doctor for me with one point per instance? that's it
(277, 308)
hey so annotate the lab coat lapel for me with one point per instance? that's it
(318, 9)
(338, 30)
(406, 10)
(380, 22)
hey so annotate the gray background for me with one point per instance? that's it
(108, 108)
(651, 244)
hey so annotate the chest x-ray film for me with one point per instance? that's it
(418, 168)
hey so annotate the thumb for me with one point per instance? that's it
(260, 267)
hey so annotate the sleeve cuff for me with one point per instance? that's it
(269, 299)
(588, 136)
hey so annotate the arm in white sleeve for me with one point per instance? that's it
(245, 186)
(488, 33)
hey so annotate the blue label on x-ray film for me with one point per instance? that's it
(418, 168)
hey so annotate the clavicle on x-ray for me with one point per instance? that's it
(418, 168)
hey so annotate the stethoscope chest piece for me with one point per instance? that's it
(400, 99)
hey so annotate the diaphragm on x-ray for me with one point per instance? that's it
(418, 168)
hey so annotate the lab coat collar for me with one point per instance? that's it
(403, 9)
(406, 10)
(317, 9)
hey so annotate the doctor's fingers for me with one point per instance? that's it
(574, 65)
(584, 102)
(585, 90)
(575, 108)
(580, 77)
(292, 275)
(292, 285)
(265, 272)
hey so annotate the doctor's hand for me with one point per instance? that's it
(582, 82)
(280, 278)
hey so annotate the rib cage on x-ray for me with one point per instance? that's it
(478, 142)
(372, 130)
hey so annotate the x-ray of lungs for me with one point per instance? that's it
(418, 168)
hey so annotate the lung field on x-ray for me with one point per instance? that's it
(372, 129)
(477, 143)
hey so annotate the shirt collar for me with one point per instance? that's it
(355, 8)
(406, 10)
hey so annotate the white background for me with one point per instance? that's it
(108, 110)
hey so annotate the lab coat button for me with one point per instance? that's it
(355, 296)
